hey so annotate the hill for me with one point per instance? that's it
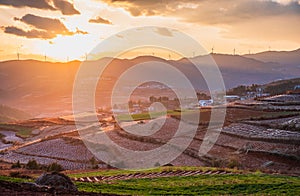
(45, 88)
(274, 88)
(287, 58)
(281, 86)
(8, 114)
(237, 70)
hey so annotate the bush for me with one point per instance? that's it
(16, 165)
(32, 164)
(54, 167)
(94, 163)
(15, 174)
(233, 163)
(216, 162)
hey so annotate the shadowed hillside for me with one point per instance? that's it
(11, 114)
(45, 88)
(289, 58)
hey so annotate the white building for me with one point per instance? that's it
(206, 102)
(230, 98)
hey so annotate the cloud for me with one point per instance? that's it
(261, 16)
(49, 24)
(64, 6)
(81, 32)
(266, 29)
(39, 4)
(29, 34)
(209, 12)
(139, 7)
(42, 27)
(100, 20)
(120, 36)
(164, 32)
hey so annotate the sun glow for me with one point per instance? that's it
(66, 48)
(83, 36)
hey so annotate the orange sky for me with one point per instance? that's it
(64, 29)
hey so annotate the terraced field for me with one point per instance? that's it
(262, 133)
(244, 142)
(70, 153)
(13, 157)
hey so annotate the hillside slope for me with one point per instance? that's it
(8, 114)
(288, 58)
(45, 88)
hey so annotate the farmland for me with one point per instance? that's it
(172, 180)
(250, 138)
(256, 152)
(202, 184)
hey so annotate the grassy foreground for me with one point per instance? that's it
(227, 184)
(201, 185)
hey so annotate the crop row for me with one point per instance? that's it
(258, 132)
(57, 148)
(13, 157)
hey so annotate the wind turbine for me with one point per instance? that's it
(18, 52)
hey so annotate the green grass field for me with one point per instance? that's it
(227, 184)
(21, 131)
(200, 185)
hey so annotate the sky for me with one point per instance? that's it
(65, 30)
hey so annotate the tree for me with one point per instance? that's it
(94, 163)
(130, 104)
(152, 99)
(54, 167)
(203, 96)
(16, 165)
(239, 90)
(165, 99)
(32, 164)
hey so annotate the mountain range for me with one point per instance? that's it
(45, 88)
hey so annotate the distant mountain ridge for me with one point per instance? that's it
(43, 88)
(290, 58)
